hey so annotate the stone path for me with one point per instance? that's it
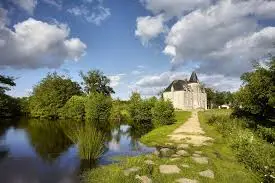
(190, 132)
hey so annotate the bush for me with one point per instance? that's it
(98, 107)
(249, 148)
(163, 113)
(74, 108)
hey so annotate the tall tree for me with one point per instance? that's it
(257, 95)
(51, 94)
(96, 81)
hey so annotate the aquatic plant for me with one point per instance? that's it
(90, 141)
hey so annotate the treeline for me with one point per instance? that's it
(217, 98)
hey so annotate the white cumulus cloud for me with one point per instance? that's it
(34, 44)
(149, 27)
(116, 79)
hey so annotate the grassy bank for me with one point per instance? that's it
(158, 136)
(249, 145)
(222, 161)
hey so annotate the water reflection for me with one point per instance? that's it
(34, 150)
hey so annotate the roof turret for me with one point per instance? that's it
(194, 78)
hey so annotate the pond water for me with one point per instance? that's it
(36, 151)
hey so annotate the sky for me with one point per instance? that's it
(141, 45)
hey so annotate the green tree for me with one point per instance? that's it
(98, 107)
(9, 106)
(257, 95)
(163, 113)
(96, 81)
(74, 108)
(5, 83)
(51, 94)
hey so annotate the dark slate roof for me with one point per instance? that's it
(178, 85)
(193, 78)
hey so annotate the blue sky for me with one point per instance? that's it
(141, 45)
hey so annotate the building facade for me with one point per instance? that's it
(186, 95)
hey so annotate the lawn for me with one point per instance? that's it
(158, 136)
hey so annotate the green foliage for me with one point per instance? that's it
(98, 107)
(74, 108)
(216, 98)
(5, 83)
(51, 94)
(163, 113)
(90, 141)
(24, 105)
(257, 96)
(9, 106)
(96, 81)
(119, 113)
(249, 148)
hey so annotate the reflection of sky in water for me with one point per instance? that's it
(24, 165)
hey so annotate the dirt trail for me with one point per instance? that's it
(191, 132)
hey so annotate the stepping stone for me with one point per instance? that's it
(174, 159)
(207, 173)
(143, 179)
(185, 166)
(196, 155)
(200, 160)
(182, 153)
(185, 180)
(183, 146)
(166, 152)
(175, 156)
(149, 162)
(128, 171)
(169, 169)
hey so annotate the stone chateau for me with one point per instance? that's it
(186, 94)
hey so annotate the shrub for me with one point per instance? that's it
(249, 148)
(9, 106)
(74, 108)
(98, 107)
(163, 113)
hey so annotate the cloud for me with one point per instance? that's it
(222, 37)
(35, 44)
(149, 27)
(115, 79)
(55, 3)
(174, 7)
(27, 5)
(95, 15)
(153, 84)
(219, 37)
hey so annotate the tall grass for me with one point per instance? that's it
(250, 148)
(90, 141)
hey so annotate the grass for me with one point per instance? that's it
(221, 161)
(89, 140)
(158, 136)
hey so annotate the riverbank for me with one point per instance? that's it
(190, 153)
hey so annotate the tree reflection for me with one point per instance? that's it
(47, 138)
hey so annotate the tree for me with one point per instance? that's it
(163, 113)
(96, 81)
(257, 95)
(98, 108)
(51, 94)
(74, 108)
(5, 83)
(9, 106)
